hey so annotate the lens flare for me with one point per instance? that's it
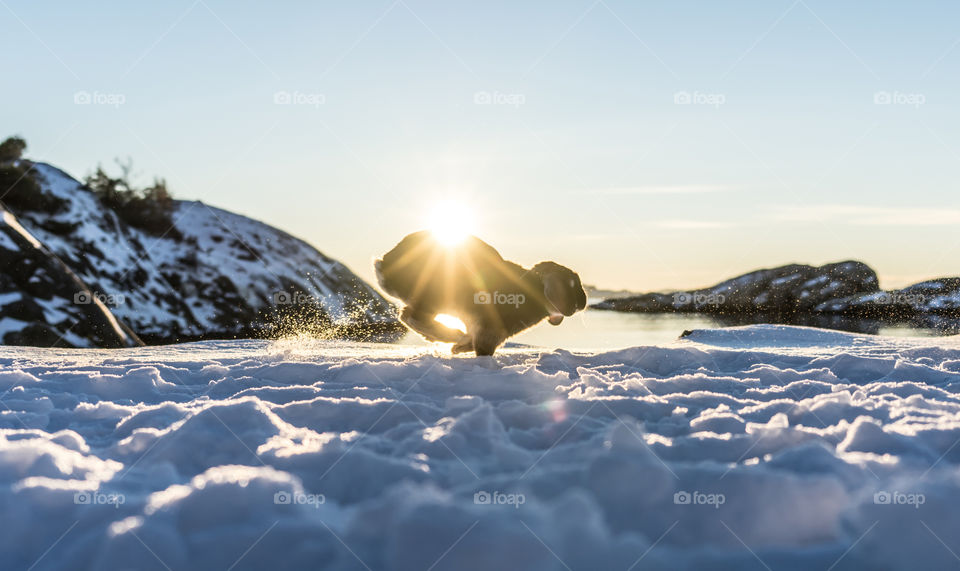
(557, 409)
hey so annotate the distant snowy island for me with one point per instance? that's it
(788, 293)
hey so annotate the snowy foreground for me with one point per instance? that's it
(759, 447)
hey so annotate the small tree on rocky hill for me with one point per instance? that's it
(149, 209)
(19, 185)
(12, 149)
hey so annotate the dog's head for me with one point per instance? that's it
(562, 290)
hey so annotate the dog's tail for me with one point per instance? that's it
(378, 269)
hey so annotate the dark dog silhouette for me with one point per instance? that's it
(494, 298)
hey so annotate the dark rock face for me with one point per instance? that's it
(42, 302)
(939, 297)
(824, 296)
(785, 290)
(216, 274)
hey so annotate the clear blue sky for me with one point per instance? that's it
(558, 121)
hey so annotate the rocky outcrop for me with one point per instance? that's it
(784, 290)
(825, 296)
(42, 302)
(214, 274)
(939, 297)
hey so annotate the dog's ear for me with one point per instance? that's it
(562, 289)
(557, 296)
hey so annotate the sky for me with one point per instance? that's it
(647, 145)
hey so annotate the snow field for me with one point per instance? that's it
(757, 447)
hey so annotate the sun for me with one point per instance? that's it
(450, 222)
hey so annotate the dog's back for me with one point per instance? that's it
(400, 268)
(425, 273)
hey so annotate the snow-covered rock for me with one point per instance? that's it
(845, 295)
(215, 274)
(939, 297)
(744, 448)
(793, 288)
(42, 302)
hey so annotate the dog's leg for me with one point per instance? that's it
(486, 341)
(431, 329)
(483, 341)
(464, 345)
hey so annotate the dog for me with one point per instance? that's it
(493, 297)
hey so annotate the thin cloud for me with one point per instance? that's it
(585, 237)
(692, 224)
(861, 215)
(663, 189)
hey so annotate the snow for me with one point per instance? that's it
(757, 447)
(6, 298)
(6, 242)
(8, 324)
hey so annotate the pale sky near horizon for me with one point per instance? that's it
(647, 145)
